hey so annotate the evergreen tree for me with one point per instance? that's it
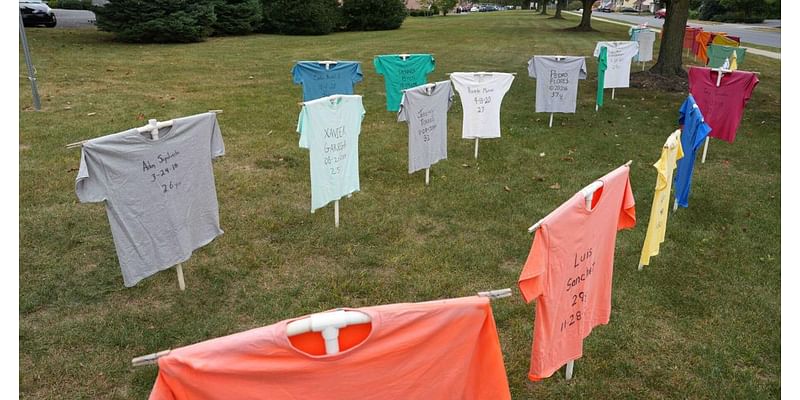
(157, 21)
(237, 17)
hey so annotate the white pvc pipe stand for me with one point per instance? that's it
(570, 368)
(427, 176)
(705, 150)
(181, 282)
(476, 147)
(551, 120)
(336, 213)
(612, 93)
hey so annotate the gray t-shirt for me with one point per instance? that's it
(160, 195)
(425, 109)
(556, 82)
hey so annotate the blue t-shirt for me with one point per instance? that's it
(320, 82)
(694, 133)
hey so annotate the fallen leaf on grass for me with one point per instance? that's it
(465, 165)
(67, 108)
(91, 113)
(541, 154)
(506, 188)
(569, 159)
(556, 186)
(539, 179)
(140, 117)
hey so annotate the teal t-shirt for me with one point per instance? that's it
(602, 65)
(329, 128)
(399, 74)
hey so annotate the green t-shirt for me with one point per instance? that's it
(602, 65)
(399, 74)
(718, 53)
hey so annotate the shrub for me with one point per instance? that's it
(237, 17)
(709, 9)
(71, 4)
(157, 21)
(373, 15)
(574, 5)
(301, 17)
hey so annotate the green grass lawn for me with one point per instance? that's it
(701, 322)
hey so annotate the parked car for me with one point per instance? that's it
(474, 9)
(629, 10)
(36, 12)
(662, 13)
(605, 9)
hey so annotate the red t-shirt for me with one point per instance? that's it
(722, 106)
(444, 349)
(569, 271)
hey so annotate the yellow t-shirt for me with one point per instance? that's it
(657, 227)
(725, 41)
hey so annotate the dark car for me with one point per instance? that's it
(36, 12)
(662, 13)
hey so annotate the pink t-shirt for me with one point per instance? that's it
(569, 271)
(722, 106)
(445, 349)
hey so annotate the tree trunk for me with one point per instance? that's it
(559, 7)
(586, 17)
(670, 55)
(544, 7)
(526, 4)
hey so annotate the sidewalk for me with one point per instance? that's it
(750, 50)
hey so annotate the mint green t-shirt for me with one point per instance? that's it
(329, 128)
(399, 74)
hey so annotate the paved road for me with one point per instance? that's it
(74, 18)
(750, 33)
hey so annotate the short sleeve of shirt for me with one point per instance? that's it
(583, 72)
(751, 85)
(89, 184)
(358, 75)
(430, 65)
(363, 111)
(378, 66)
(217, 145)
(684, 111)
(297, 74)
(302, 127)
(532, 68)
(627, 214)
(450, 96)
(401, 113)
(597, 49)
(532, 279)
(506, 83)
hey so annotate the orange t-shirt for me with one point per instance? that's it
(569, 271)
(445, 349)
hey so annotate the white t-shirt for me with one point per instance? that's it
(481, 95)
(618, 72)
(646, 39)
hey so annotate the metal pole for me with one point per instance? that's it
(37, 105)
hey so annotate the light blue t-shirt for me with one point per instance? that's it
(329, 127)
(320, 82)
(399, 74)
(694, 133)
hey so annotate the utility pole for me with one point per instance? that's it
(37, 105)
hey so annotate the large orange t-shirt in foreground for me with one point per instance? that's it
(445, 349)
(569, 271)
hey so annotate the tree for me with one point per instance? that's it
(586, 17)
(670, 55)
(237, 17)
(559, 7)
(440, 5)
(157, 21)
(373, 15)
(301, 17)
(544, 7)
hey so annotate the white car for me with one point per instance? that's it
(474, 9)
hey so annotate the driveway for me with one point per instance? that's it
(765, 34)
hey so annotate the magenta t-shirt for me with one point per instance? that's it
(721, 106)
